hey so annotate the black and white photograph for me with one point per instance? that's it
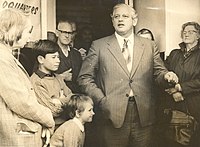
(99, 73)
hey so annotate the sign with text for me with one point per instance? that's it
(32, 7)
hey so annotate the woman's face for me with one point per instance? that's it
(190, 35)
(26, 34)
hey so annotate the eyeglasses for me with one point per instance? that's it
(66, 33)
(190, 32)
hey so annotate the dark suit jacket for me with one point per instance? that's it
(104, 76)
(73, 61)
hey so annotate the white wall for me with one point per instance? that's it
(151, 14)
(48, 16)
(177, 13)
(165, 18)
(51, 15)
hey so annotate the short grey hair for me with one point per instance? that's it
(132, 10)
(192, 23)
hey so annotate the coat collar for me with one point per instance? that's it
(183, 46)
(80, 125)
(7, 52)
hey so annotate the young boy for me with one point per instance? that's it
(50, 89)
(71, 133)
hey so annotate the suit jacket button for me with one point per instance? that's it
(127, 95)
(131, 81)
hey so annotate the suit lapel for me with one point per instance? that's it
(114, 48)
(138, 51)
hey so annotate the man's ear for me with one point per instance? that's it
(40, 59)
(111, 15)
(135, 20)
(198, 35)
(57, 32)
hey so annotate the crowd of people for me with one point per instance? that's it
(47, 100)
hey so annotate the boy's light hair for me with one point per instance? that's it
(12, 24)
(77, 103)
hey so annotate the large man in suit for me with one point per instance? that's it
(70, 58)
(118, 74)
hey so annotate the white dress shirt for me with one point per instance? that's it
(130, 39)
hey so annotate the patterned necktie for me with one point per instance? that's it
(125, 52)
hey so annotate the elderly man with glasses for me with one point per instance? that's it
(70, 58)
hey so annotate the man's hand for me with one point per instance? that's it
(171, 77)
(83, 53)
(67, 75)
(46, 134)
(176, 88)
(171, 91)
(57, 103)
(178, 97)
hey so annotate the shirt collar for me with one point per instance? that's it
(120, 39)
(78, 122)
(64, 47)
(42, 74)
(69, 48)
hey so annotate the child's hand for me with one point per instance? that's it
(46, 134)
(61, 94)
(57, 102)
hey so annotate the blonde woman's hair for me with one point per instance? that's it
(12, 24)
(77, 103)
